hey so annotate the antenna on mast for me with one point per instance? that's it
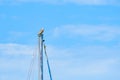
(40, 32)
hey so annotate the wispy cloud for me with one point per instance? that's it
(15, 49)
(15, 58)
(67, 61)
(86, 2)
(83, 61)
(12, 17)
(95, 32)
(93, 2)
(16, 35)
(98, 67)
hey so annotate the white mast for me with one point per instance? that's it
(40, 54)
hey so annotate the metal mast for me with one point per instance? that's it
(40, 54)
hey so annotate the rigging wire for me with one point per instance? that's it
(48, 62)
(31, 65)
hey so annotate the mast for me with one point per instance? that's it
(40, 54)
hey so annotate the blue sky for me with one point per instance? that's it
(82, 37)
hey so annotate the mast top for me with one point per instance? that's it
(40, 32)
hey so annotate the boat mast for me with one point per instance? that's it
(40, 54)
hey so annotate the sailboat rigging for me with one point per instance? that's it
(41, 50)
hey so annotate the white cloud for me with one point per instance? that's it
(15, 49)
(83, 60)
(12, 67)
(98, 32)
(76, 67)
(96, 67)
(93, 2)
(15, 60)
(16, 35)
(88, 2)
(69, 62)
(4, 16)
